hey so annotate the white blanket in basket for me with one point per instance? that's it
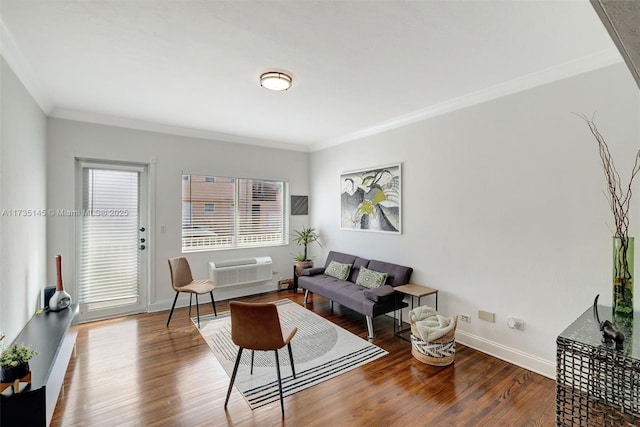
(430, 324)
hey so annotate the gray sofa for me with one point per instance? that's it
(371, 302)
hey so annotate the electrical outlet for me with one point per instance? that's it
(465, 318)
(486, 316)
(514, 323)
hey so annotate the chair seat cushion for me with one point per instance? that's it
(199, 287)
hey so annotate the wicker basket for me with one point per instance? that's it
(439, 352)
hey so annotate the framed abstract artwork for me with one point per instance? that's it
(371, 199)
(299, 205)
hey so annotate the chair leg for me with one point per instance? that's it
(172, 307)
(213, 303)
(198, 310)
(252, 354)
(279, 382)
(293, 368)
(233, 376)
(190, 298)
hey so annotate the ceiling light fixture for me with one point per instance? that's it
(274, 80)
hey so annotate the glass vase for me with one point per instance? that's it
(623, 276)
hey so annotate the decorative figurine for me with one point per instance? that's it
(608, 329)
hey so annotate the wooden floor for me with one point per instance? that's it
(134, 371)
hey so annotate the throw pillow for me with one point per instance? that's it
(338, 270)
(370, 279)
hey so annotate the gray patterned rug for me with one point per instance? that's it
(321, 350)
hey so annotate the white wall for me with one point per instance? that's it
(168, 157)
(503, 204)
(22, 186)
(503, 207)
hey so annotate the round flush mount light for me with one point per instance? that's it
(274, 80)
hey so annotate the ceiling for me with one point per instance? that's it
(192, 67)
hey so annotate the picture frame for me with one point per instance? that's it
(371, 199)
(299, 205)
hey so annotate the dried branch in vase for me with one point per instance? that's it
(619, 197)
(623, 245)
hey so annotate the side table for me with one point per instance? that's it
(597, 385)
(415, 291)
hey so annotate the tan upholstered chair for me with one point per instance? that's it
(256, 326)
(182, 281)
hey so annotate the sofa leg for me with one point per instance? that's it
(331, 304)
(306, 295)
(370, 327)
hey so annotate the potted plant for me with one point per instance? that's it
(304, 238)
(14, 362)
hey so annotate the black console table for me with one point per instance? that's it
(597, 385)
(51, 335)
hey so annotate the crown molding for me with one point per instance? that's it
(21, 67)
(549, 75)
(108, 120)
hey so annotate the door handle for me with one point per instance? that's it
(142, 229)
(142, 247)
(142, 240)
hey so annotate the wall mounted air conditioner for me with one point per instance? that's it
(240, 271)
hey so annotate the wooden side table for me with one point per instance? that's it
(415, 291)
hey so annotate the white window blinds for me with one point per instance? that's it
(109, 264)
(220, 212)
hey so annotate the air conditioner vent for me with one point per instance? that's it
(240, 271)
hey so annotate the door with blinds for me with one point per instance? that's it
(112, 258)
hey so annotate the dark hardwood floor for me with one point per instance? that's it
(134, 371)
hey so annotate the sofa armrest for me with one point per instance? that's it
(381, 294)
(312, 271)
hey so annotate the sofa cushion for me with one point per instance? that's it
(339, 257)
(338, 270)
(400, 273)
(370, 278)
(355, 269)
(383, 293)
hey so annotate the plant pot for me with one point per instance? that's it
(9, 374)
(301, 265)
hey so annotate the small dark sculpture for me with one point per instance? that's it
(608, 329)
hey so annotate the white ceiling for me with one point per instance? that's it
(358, 67)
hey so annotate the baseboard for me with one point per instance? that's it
(221, 293)
(508, 354)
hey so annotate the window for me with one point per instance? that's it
(222, 213)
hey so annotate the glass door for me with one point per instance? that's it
(112, 259)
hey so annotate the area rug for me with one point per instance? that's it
(321, 350)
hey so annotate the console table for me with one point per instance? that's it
(51, 335)
(596, 384)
